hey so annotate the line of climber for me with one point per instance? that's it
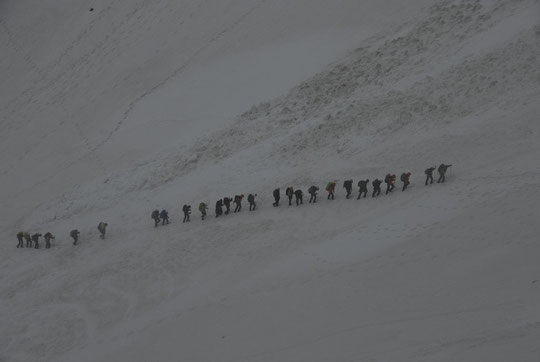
(313, 191)
(33, 240)
(162, 217)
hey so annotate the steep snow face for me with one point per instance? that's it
(85, 93)
(439, 272)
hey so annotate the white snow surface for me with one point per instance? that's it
(107, 115)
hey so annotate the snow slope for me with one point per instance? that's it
(445, 272)
(99, 91)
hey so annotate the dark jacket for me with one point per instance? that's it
(219, 207)
(363, 184)
(238, 198)
(390, 179)
(442, 168)
(289, 192)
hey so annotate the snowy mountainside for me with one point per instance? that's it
(387, 87)
(100, 91)
(443, 272)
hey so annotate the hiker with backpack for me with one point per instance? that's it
(376, 187)
(187, 211)
(362, 188)
(405, 179)
(429, 175)
(164, 215)
(20, 237)
(238, 202)
(102, 226)
(290, 193)
(155, 217)
(389, 180)
(75, 236)
(276, 195)
(251, 200)
(35, 239)
(28, 239)
(219, 207)
(442, 172)
(203, 208)
(227, 202)
(299, 197)
(347, 185)
(331, 187)
(313, 190)
(48, 236)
